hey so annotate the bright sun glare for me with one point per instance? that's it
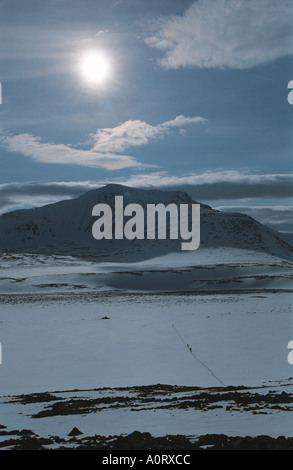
(95, 67)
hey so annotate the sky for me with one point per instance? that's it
(173, 94)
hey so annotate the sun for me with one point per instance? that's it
(95, 67)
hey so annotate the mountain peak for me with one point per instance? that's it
(66, 228)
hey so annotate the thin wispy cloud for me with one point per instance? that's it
(224, 33)
(213, 185)
(107, 147)
(135, 133)
(117, 4)
(209, 186)
(32, 194)
(101, 32)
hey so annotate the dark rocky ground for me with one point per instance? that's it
(27, 440)
(271, 399)
(260, 400)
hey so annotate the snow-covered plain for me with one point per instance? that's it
(212, 318)
(206, 269)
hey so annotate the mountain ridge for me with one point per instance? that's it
(65, 227)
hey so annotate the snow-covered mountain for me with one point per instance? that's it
(66, 228)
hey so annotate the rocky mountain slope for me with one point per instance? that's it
(66, 228)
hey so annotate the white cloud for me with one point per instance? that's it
(219, 185)
(162, 179)
(101, 32)
(48, 152)
(136, 133)
(229, 185)
(224, 33)
(107, 149)
(128, 134)
(180, 121)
